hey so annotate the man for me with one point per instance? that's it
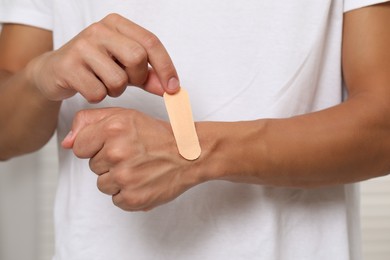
(265, 80)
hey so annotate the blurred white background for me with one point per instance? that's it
(27, 189)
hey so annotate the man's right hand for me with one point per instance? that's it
(103, 60)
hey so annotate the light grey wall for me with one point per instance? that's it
(18, 203)
(375, 204)
(27, 189)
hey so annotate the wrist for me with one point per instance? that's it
(233, 151)
(29, 75)
(39, 79)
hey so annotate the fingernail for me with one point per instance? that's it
(173, 84)
(69, 135)
(67, 141)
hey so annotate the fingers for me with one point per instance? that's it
(91, 88)
(158, 56)
(131, 163)
(123, 196)
(86, 144)
(109, 68)
(107, 185)
(114, 78)
(128, 53)
(125, 201)
(153, 84)
(103, 60)
(81, 121)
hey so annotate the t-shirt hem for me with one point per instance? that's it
(27, 17)
(352, 5)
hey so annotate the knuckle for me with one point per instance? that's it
(79, 154)
(117, 202)
(94, 166)
(81, 45)
(79, 151)
(97, 95)
(135, 56)
(139, 78)
(95, 99)
(94, 29)
(115, 126)
(116, 92)
(119, 80)
(122, 205)
(115, 155)
(151, 41)
(121, 178)
(133, 201)
(132, 113)
(117, 83)
(138, 55)
(80, 116)
(65, 65)
(112, 18)
(100, 184)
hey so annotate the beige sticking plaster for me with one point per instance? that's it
(182, 123)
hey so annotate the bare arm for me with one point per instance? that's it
(27, 118)
(136, 159)
(346, 143)
(101, 60)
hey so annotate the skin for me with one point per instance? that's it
(136, 159)
(90, 64)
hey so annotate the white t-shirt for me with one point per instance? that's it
(239, 60)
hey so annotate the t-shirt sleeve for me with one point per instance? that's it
(36, 13)
(355, 4)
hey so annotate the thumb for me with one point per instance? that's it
(82, 119)
(153, 84)
(68, 141)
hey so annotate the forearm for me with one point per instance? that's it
(28, 120)
(343, 144)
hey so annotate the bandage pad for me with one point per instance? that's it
(180, 116)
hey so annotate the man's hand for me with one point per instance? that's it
(135, 157)
(103, 60)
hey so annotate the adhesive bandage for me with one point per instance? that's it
(180, 116)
